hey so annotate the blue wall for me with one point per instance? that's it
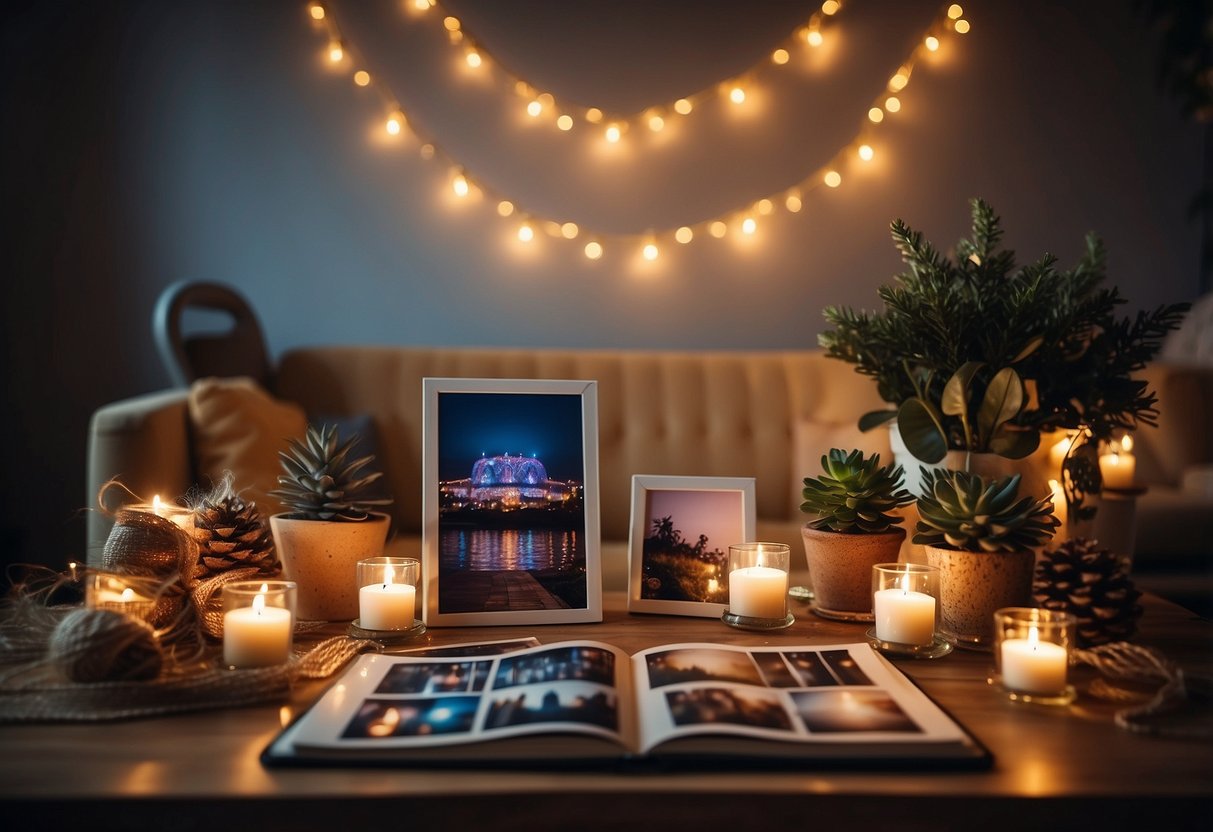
(152, 142)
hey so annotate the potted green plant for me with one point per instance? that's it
(852, 530)
(329, 524)
(983, 538)
(978, 356)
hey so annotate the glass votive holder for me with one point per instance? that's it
(758, 586)
(258, 623)
(387, 599)
(1032, 650)
(905, 608)
(133, 595)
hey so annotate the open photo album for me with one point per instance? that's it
(590, 704)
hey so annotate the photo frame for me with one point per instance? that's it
(511, 531)
(678, 545)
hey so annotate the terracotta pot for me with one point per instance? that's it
(840, 569)
(321, 556)
(975, 584)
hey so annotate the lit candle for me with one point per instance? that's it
(1033, 666)
(758, 592)
(904, 617)
(257, 635)
(387, 605)
(1057, 454)
(1060, 510)
(1118, 466)
(182, 517)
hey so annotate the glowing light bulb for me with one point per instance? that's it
(426, 151)
(451, 24)
(833, 178)
(866, 153)
(961, 26)
(593, 250)
(650, 251)
(505, 208)
(955, 11)
(876, 115)
(764, 206)
(395, 123)
(737, 95)
(932, 42)
(684, 235)
(892, 104)
(830, 7)
(336, 52)
(814, 38)
(656, 123)
(459, 184)
(534, 108)
(748, 226)
(899, 80)
(473, 58)
(422, 5)
(593, 115)
(362, 77)
(718, 229)
(683, 106)
(613, 133)
(570, 230)
(316, 11)
(565, 122)
(526, 233)
(546, 99)
(793, 203)
(780, 56)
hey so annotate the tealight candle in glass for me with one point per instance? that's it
(133, 595)
(258, 623)
(758, 586)
(905, 606)
(387, 597)
(1032, 654)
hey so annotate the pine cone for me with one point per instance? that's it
(231, 535)
(1092, 583)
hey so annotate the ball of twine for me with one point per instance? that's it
(104, 646)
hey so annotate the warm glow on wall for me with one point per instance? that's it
(543, 107)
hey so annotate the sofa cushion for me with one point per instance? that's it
(238, 427)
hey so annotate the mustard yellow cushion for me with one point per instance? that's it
(239, 427)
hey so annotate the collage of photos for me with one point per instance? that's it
(825, 692)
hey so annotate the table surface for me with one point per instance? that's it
(202, 769)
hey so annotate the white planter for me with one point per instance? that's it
(321, 556)
(1034, 469)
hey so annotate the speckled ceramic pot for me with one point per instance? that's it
(975, 584)
(840, 569)
(321, 557)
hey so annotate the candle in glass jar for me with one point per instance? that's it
(758, 592)
(1118, 466)
(904, 617)
(257, 635)
(386, 606)
(1030, 665)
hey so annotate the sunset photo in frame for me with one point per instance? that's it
(510, 530)
(678, 547)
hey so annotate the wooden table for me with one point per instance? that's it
(1055, 768)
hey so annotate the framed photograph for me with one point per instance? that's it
(678, 549)
(510, 531)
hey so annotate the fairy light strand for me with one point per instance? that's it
(741, 219)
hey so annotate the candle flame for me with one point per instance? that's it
(128, 595)
(156, 504)
(1033, 637)
(905, 583)
(389, 575)
(1126, 443)
(259, 600)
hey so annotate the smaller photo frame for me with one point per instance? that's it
(678, 546)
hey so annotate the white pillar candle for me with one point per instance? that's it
(386, 606)
(758, 592)
(256, 636)
(1030, 665)
(1060, 508)
(904, 617)
(1117, 469)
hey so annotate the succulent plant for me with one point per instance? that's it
(320, 484)
(854, 494)
(962, 510)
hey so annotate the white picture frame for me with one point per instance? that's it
(675, 576)
(477, 570)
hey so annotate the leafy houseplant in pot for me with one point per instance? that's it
(852, 530)
(329, 525)
(983, 538)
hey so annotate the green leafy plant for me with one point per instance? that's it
(854, 495)
(978, 355)
(962, 510)
(320, 483)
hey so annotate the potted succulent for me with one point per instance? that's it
(977, 356)
(329, 525)
(852, 530)
(983, 538)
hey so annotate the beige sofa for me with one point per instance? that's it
(767, 415)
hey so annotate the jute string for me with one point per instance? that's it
(1176, 693)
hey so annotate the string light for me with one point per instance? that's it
(473, 59)
(961, 26)
(316, 11)
(780, 57)
(742, 221)
(814, 38)
(955, 11)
